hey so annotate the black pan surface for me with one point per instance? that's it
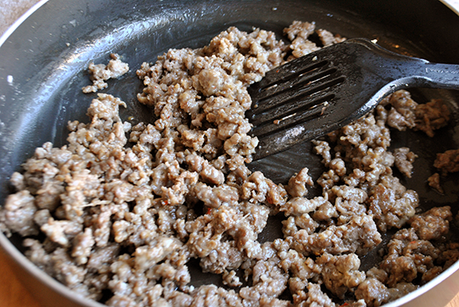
(43, 68)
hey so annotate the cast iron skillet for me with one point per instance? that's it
(43, 67)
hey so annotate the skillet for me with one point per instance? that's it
(43, 67)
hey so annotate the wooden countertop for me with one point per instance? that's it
(13, 294)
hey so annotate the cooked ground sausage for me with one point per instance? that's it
(118, 213)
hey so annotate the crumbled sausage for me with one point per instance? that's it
(391, 204)
(358, 236)
(432, 224)
(297, 184)
(329, 38)
(434, 182)
(341, 273)
(402, 110)
(316, 297)
(101, 73)
(407, 256)
(448, 161)
(404, 159)
(373, 292)
(431, 116)
(19, 212)
(120, 212)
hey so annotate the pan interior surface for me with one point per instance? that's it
(43, 68)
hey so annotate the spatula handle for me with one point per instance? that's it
(441, 75)
(406, 71)
(416, 72)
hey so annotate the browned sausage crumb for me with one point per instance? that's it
(402, 111)
(329, 38)
(448, 161)
(404, 159)
(341, 273)
(434, 182)
(373, 292)
(297, 184)
(407, 257)
(432, 116)
(101, 73)
(432, 224)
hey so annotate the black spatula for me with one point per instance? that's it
(328, 89)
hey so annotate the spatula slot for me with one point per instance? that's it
(297, 99)
(288, 72)
(308, 110)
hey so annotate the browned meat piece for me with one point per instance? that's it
(258, 188)
(300, 29)
(297, 184)
(391, 204)
(322, 148)
(315, 297)
(268, 282)
(433, 224)
(402, 112)
(404, 159)
(293, 223)
(298, 32)
(348, 202)
(301, 205)
(101, 73)
(341, 273)
(434, 182)
(329, 38)
(378, 274)
(19, 212)
(359, 235)
(373, 292)
(407, 257)
(432, 116)
(448, 162)
(449, 254)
